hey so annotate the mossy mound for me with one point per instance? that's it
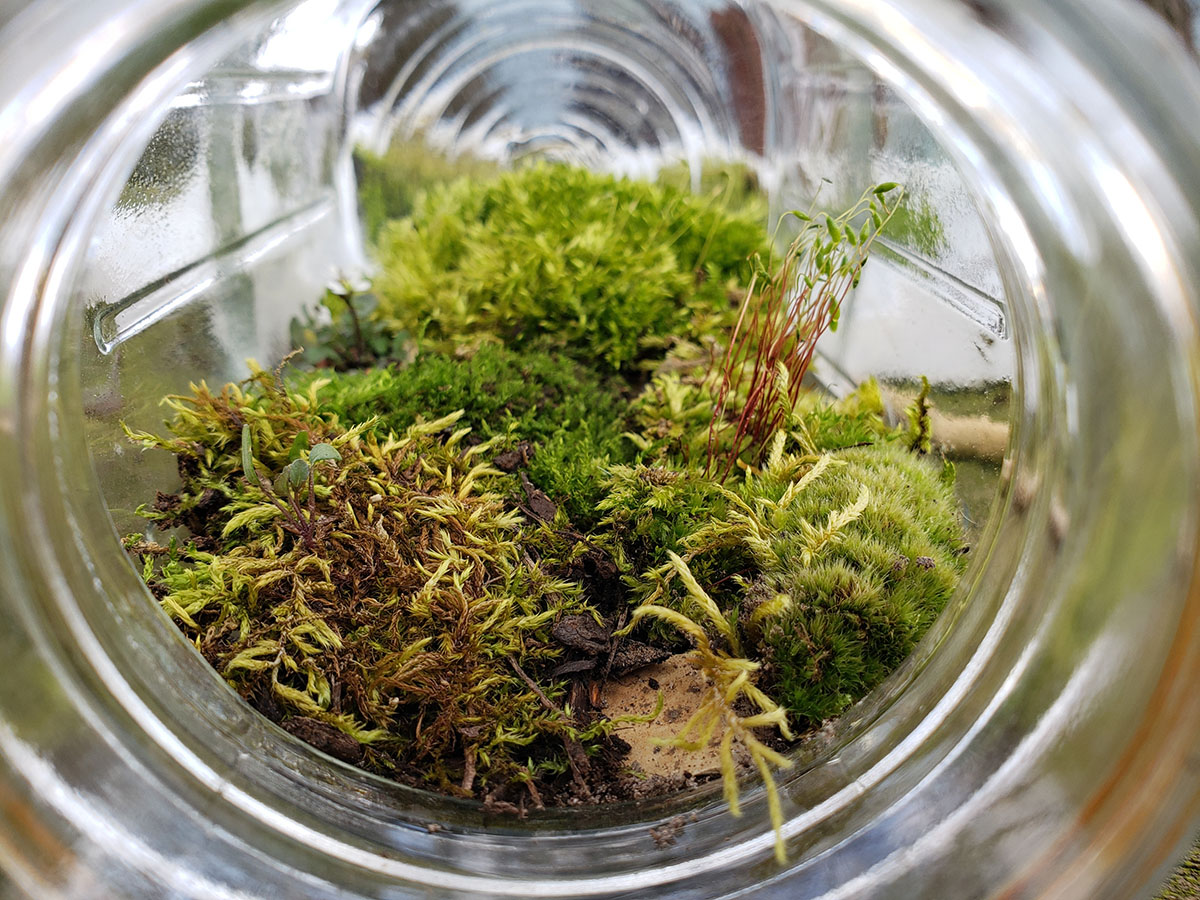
(500, 392)
(860, 606)
(604, 269)
(564, 421)
(388, 599)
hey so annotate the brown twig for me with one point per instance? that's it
(468, 779)
(532, 685)
(576, 758)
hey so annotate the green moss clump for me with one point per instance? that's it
(653, 511)
(531, 395)
(736, 183)
(855, 420)
(388, 599)
(601, 268)
(572, 467)
(835, 564)
(390, 184)
(860, 605)
(567, 419)
(918, 227)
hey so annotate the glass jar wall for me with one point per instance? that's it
(1039, 740)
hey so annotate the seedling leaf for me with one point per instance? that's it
(299, 446)
(248, 456)
(297, 472)
(323, 453)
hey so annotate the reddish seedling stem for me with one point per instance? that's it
(782, 316)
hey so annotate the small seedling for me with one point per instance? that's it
(352, 338)
(294, 482)
(785, 310)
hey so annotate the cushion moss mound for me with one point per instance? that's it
(598, 267)
(859, 608)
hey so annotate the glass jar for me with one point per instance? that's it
(1041, 740)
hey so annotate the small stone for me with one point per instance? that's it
(508, 461)
(633, 655)
(667, 833)
(540, 507)
(572, 666)
(511, 460)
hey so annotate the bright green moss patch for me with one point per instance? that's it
(860, 605)
(501, 392)
(601, 268)
(390, 184)
(565, 435)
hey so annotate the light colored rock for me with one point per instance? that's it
(682, 688)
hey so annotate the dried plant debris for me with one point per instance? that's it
(562, 440)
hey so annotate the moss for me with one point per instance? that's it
(566, 420)
(855, 420)
(387, 600)
(389, 184)
(652, 511)
(918, 227)
(736, 183)
(573, 465)
(670, 419)
(531, 395)
(601, 268)
(861, 605)
(1184, 883)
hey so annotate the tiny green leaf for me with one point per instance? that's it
(299, 445)
(834, 231)
(324, 453)
(365, 304)
(297, 472)
(884, 188)
(248, 456)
